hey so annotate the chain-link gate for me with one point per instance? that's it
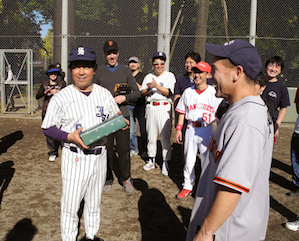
(16, 81)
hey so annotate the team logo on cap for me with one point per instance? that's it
(110, 43)
(81, 51)
(229, 43)
(160, 54)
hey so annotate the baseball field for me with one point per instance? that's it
(30, 191)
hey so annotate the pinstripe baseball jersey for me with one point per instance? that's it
(199, 106)
(71, 109)
(239, 157)
(166, 80)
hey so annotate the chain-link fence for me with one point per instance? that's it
(134, 25)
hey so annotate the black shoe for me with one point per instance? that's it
(95, 239)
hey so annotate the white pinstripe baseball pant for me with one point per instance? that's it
(83, 176)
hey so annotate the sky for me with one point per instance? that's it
(44, 30)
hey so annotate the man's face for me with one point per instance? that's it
(158, 66)
(199, 78)
(273, 70)
(82, 73)
(111, 57)
(134, 66)
(223, 72)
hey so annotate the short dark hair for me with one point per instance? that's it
(261, 79)
(275, 59)
(193, 55)
(95, 66)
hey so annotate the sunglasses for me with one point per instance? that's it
(156, 64)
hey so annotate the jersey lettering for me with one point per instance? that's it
(213, 149)
(201, 106)
(100, 113)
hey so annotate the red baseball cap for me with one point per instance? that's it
(202, 67)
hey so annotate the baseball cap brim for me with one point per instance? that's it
(53, 70)
(196, 70)
(216, 50)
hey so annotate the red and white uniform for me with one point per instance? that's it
(199, 108)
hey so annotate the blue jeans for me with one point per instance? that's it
(133, 135)
(295, 158)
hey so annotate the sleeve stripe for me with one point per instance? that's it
(231, 184)
(180, 111)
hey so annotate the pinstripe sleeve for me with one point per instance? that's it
(54, 112)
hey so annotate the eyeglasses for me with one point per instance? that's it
(156, 64)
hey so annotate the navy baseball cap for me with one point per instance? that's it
(240, 52)
(82, 53)
(53, 70)
(159, 55)
(110, 45)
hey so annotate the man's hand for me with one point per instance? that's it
(127, 122)
(75, 138)
(178, 136)
(152, 84)
(120, 99)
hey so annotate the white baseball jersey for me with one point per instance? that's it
(159, 117)
(167, 80)
(83, 175)
(239, 157)
(197, 106)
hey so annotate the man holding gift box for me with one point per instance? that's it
(78, 106)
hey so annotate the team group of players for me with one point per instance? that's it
(233, 187)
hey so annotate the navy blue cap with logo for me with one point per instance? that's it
(82, 53)
(240, 52)
(159, 55)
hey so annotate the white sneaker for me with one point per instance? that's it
(294, 226)
(52, 158)
(164, 170)
(149, 165)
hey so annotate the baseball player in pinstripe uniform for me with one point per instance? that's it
(83, 168)
(158, 87)
(198, 105)
(232, 199)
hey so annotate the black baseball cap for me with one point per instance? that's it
(240, 52)
(110, 45)
(83, 53)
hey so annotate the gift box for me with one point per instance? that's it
(103, 129)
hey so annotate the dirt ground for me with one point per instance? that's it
(30, 191)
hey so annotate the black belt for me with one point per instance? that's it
(96, 151)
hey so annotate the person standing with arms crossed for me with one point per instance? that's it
(137, 110)
(158, 87)
(108, 76)
(79, 106)
(198, 106)
(232, 199)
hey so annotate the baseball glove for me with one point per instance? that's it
(122, 89)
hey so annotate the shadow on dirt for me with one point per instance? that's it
(9, 140)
